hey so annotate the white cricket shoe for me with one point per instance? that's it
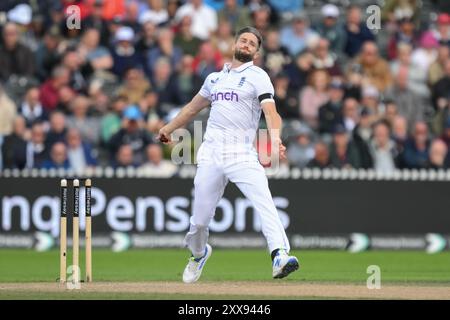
(194, 268)
(283, 264)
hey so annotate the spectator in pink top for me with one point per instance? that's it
(313, 96)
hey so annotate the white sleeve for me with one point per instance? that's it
(264, 89)
(205, 90)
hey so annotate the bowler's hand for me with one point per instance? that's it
(281, 149)
(164, 135)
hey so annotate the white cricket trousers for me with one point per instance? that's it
(214, 170)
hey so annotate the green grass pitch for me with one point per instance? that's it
(339, 267)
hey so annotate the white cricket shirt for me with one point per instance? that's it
(236, 96)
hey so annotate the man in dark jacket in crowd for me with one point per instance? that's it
(15, 58)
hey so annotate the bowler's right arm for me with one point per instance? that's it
(187, 113)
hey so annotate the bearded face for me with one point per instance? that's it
(243, 56)
(246, 47)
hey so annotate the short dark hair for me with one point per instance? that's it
(250, 30)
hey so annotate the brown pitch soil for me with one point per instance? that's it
(241, 289)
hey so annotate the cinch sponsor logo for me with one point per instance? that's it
(228, 96)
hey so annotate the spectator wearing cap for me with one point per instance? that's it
(438, 156)
(383, 149)
(184, 39)
(15, 58)
(88, 125)
(301, 151)
(8, 112)
(204, 18)
(31, 108)
(436, 71)
(409, 103)
(330, 113)
(29, 24)
(164, 48)
(343, 153)
(58, 158)
(406, 33)
(415, 153)
(155, 165)
(155, 13)
(321, 158)
(134, 85)
(324, 59)
(442, 31)
(79, 152)
(330, 28)
(132, 133)
(50, 89)
(296, 35)
(416, 76)
(95, 20)
(286, 98)
(356, 31)
(373, 68)
(236, 14)
(361, 136)
(426, 53)
(313, 96)
(441, 91)
(124, 53)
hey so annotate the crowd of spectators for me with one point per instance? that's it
(349, 96)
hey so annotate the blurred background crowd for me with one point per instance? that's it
(350, 95)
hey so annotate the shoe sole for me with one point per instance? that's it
(290, 267)
(203, 265)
